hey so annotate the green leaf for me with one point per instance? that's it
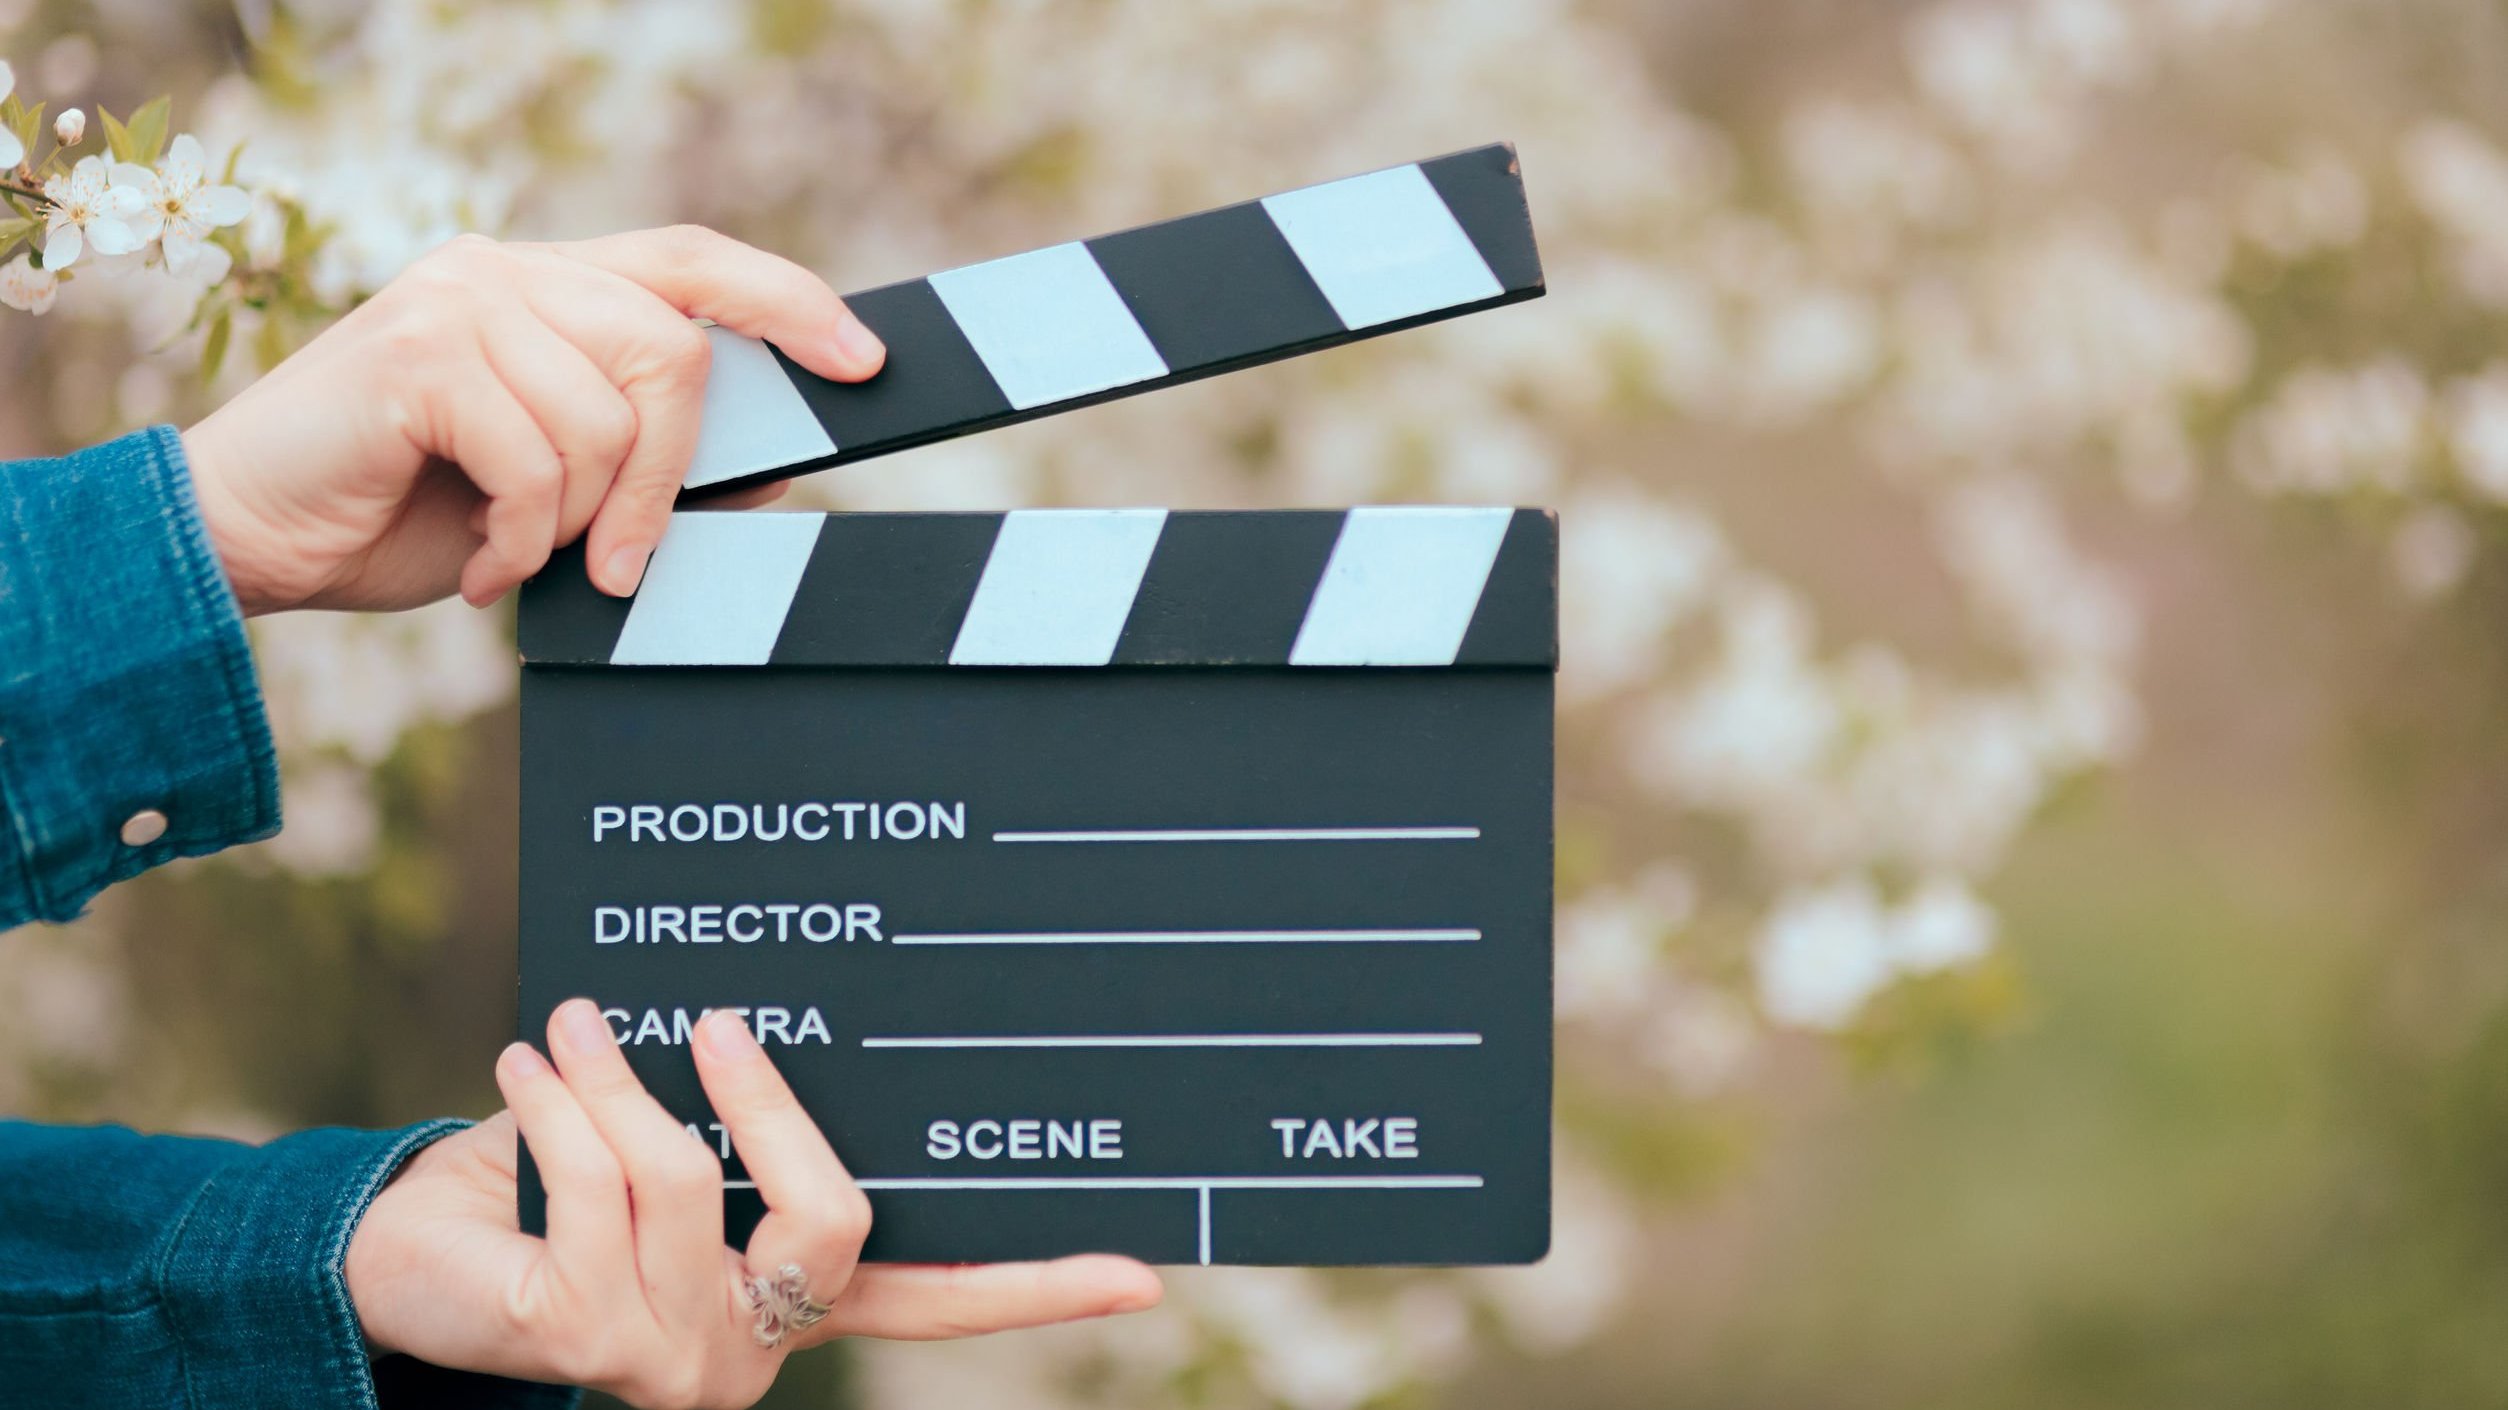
(269, 344)
(234, 154)
(147, 128)
(117, 137)
(213, 347)
(298, 238)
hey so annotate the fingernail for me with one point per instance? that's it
(626, 567)
(521, 1061)
(728, 1037)
(586, 1031)
(859, 344)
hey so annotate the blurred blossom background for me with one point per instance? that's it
(2034, 796)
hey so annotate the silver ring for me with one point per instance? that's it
(783, 1306)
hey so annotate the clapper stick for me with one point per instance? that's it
(1075, 324)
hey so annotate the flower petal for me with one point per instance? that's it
(62, 244)
(136, 177)
(213, 265)
(221, 205)
(185, 163)
(8, 79)
(108, 236)
(23, 286)
(12, 151)
(182, 246)
(143, 222)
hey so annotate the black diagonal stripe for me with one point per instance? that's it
(1227, 589)
(886, 589)
(1216, 288)
(561, 619)
(1517, 622)
(932, 387)
(1486, 193)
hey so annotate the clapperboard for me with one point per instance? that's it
(1167, 883)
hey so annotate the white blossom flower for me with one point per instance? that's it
(88, 210)
(2459, 178)
(1942, 926)
(1823, 954)
(2477, 431)
(70, 128)
(180, 209)
(25, 286)
(1609, 942)
(12, 151)
(333, 823)
(1634, 568)
(2334, 430)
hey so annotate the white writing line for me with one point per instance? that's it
(1162, 1182)
(1254, 834)
(1191, 1040)
(1201, 1185)
(1197, 937)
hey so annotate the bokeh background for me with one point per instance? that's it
(2034, 784)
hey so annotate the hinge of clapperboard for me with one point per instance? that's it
(1075, 324)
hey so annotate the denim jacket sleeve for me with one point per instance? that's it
(155, 1271)
(131, 727)
(170, 1271)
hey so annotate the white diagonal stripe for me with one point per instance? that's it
(1401, 587)
(1057, 588)
(717, 590)
(754, 418)
(1048, 325)
(1382, 246)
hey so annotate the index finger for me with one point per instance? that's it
(708, 275)
(932, 1302)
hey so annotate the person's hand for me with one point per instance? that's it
(492, 403)
(633, 1292)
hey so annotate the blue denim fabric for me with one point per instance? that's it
(168, 1271)
(125, 680)
(160, 1271)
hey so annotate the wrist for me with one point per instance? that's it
(358, 1270)
(235, 534)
